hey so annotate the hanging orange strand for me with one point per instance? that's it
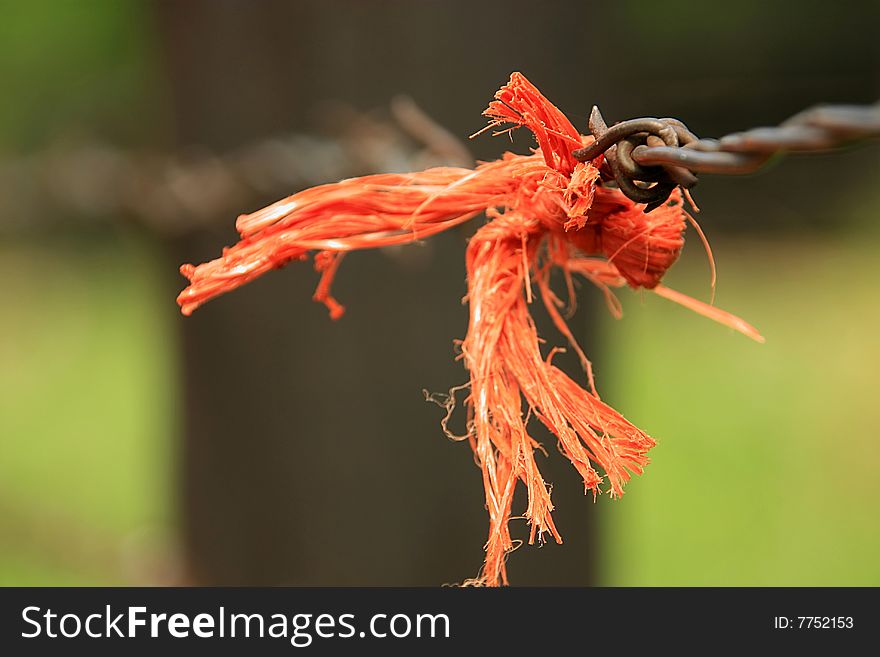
(545, 211)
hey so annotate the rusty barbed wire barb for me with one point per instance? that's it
(648, 157)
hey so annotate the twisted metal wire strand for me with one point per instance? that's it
(647, 158)
(181, 192)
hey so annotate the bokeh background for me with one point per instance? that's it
(258, 442)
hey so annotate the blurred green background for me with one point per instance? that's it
(766, 472)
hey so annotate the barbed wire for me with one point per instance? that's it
(174, 193)
(648, 157)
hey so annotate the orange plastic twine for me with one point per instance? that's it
(545, 211)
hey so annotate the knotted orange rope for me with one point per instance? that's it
(546, 211)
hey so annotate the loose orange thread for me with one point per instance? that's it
(545, 211)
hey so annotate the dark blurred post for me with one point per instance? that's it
(309, 454)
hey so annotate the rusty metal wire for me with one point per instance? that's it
(647, 158)
(175, 193)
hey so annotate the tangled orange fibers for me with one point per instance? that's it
(546, 211)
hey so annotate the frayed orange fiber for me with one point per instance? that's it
(546, 211)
